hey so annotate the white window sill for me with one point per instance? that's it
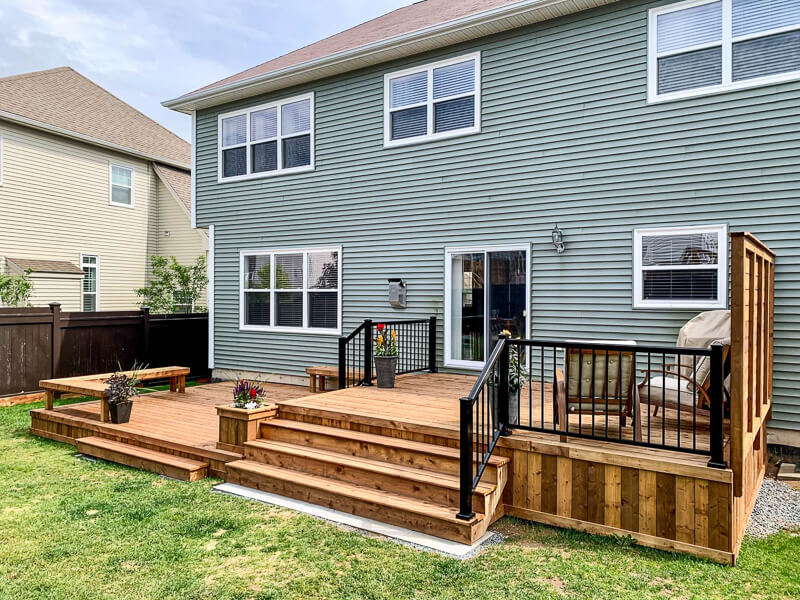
(300, 330)
(679, 306)
(265, 174)
(654, 98)
(464, 364)
(121, 205)
(424, 139)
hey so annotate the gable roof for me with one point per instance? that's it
(422, 26)
(65, 102)
(45, 266)
(178, 181)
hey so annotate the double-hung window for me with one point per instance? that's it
(706, 46)
(267, 140)
(291, 290)
(681, 267)
(438, 100)
(121, 184)
(89, 264)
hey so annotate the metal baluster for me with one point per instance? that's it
(680, 372)
(663, 398)
(592, 392)
(606, 393)
(694, 402)
(649, 401)
(619, 393)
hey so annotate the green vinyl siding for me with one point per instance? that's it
(566, 137)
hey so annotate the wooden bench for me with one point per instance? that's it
(317, 376)
(95, 385)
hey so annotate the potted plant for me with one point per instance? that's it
(517, 374)
(120, 393)
(385, 356)
(248, 395)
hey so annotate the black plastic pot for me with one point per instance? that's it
(120, 411)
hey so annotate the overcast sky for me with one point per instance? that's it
(150, 51)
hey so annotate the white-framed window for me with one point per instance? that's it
(90, 298)
(681, 267)
(120, 185)
(706, 46)
(437, 100)
(487, 291)
(295, 290)
(270, 139)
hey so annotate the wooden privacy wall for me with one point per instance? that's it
(752, 314)
(44, 343)
(663, 504)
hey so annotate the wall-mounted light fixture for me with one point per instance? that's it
(558, 239)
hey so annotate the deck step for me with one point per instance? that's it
(162, 463)
(419, 515)
(413, 482)
(419, 455)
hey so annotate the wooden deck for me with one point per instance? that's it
(184, 424)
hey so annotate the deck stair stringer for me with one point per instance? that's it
(401, 482)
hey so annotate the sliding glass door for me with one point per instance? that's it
(487, 293)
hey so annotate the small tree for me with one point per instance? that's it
(173, 285)
(15, 290)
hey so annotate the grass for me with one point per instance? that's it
(73, 529)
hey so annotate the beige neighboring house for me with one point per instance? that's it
(90, 188)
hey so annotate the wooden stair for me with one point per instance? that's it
(410, 484)
(169, 465)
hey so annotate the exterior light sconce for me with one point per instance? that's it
(558, 239)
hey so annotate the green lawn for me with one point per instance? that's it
(73, 529)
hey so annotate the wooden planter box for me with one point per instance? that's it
(238, 425)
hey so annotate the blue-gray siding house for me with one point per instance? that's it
(442, 143)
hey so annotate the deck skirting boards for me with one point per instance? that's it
(393, 532)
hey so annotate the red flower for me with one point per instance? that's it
(381, 327)
(253, 392)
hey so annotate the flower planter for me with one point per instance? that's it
(385, 368)
(240, 425)
(513, 404)
(120, 411)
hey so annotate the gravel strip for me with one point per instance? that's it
(777, 507)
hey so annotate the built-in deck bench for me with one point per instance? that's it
(317, 377)
(95, 385)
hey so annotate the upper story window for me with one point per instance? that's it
(681, 267)
(706, 46)
(267, 140)
(438, 100)
(291, 290)
(121, 186)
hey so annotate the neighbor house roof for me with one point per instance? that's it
(65, 102)
(409, 30)
(179, 182)
(45, 266)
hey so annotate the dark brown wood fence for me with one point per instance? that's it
(42, 343)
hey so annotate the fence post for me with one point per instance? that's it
(503, 395)
(55, 339)
(367, 352)
(715, 394)
(432, 345)
(146, 334)
(342, 363)
(465, 461)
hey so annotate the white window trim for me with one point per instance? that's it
(304, 329)
(111, 184)
(727, 42)
(248, 144)
(448, 308)
(387, 110)
(722, 268)
(96, 266)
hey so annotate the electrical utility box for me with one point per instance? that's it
(397, 293)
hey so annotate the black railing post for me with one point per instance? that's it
(342, 363)
(503, 395)
(717, 415)
(367, 352)
(465, 461)
(146, 335)
(432, 344)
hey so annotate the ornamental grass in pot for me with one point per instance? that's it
(385, 356)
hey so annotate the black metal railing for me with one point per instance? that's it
(416, 349)
(659, 397)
